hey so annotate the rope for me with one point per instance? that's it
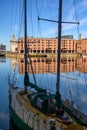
(74, 4)
(32, 68)
(41, 7)
(31, 19)
(38, 24)
(12, 6)
(20, 18)
(50, 14)
(79, 106)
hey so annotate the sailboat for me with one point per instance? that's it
(35, 109)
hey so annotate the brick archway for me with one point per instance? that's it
(64, 50)
(48, 50)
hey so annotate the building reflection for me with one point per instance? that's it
(82, 65)
(14, 63)
(48, 65)
(68, 64)
(39, 65)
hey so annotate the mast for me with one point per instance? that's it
(26, 78)
(58, 102)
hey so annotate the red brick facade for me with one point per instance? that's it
(50, 45)
(82, 46)
(47, 45)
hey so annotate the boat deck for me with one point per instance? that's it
(23, 99)
(32, 115)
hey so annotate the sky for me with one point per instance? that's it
(11, 19)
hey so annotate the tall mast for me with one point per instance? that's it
(26, 78)
(25, 34)
(59, 55)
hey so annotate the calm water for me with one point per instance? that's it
(73, 83)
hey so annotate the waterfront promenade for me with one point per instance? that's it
(15, 55)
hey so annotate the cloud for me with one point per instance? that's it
(84, 3)
(84, 33)
(16, 28)
(83, 21)
(70, 15)
(81, 7)
(50, 32)
(68, 26)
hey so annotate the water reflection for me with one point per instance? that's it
(44, 65)
(82, 65)
(2, 59)
(73, 81)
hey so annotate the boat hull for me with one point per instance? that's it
(17, 121)
(26, 117)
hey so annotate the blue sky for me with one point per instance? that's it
(11, 18)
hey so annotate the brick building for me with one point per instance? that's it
(82, 45)
(47, 45)
(50, 45)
